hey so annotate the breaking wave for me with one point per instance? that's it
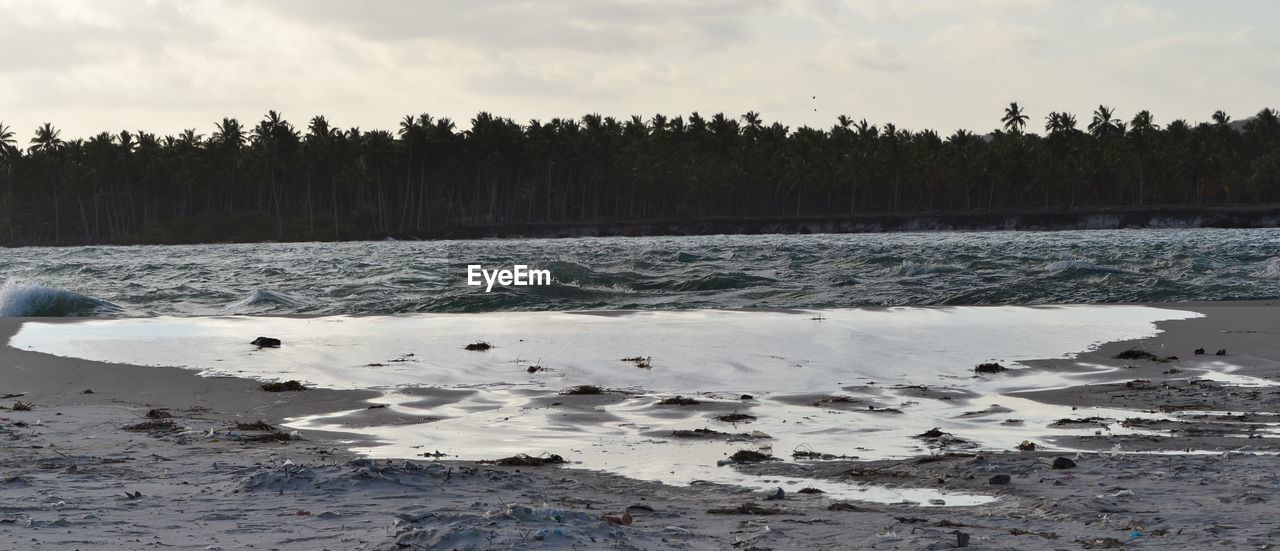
(27, 300)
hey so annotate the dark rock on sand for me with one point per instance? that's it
(1063, 463)
(1221, 352)
(266, 342)
(990, 368)
(1199, 351)
(1001, 479)
(934, 432)
(750, 456)
(287, 386)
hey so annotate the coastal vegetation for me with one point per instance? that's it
(275, 180)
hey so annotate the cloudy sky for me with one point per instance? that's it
(93, 65)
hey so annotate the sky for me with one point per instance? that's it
(162, 66)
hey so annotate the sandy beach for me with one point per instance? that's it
(160, 457)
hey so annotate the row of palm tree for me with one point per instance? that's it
(277, 181)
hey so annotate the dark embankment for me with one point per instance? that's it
(1096, 219)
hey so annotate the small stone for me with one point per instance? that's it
(1199, 351)
(1063, 463)
(1001, 479)
(1221, 352)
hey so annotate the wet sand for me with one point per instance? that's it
(70, 469)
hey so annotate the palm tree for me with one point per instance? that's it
(1060, 123)
(47, 139)
(1014, 119)
(1142, 127)
(8, 155)
(1104, 122)
(48, 142)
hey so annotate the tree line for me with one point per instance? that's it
(278, 181)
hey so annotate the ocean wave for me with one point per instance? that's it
(27, 300)
(1272, 269)
(719, 282)
(912, 269)
(261, 300)
(1084, 266)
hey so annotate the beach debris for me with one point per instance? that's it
(14, 395)
(478, 346)
(159, 413)
(161, 425)
(266, 342)
(736, 417)
(805, 452)
(990, 368)
(809, 490)
(534, 368)
(1221, 352)
(21, 406)
(837, 399)
(256, 425)
(1199, 352)
(1045, 535)
(87, 391)
(746, 397)
(1063, 463)
(625, 519)
(702, 433)
(883, 410)
(777, 495)
(268, 437)
(748, 508)
(1100, 543)
(934, 458)
(748, 456)
(287, 386)
(132, 495)
(935, 432)
(678, 401)
(582, 390)
(1000, 479)
(1140, 354)
(526, 460)
(377, 406)
(1080, 421)
(1027, 446)
(641, 362)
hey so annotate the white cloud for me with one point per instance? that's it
(1129, 14)
(871, 53)
(92, 65)
(985, 41)
(904, 10)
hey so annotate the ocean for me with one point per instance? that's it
(658, 273)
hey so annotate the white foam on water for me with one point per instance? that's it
(785, 360)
